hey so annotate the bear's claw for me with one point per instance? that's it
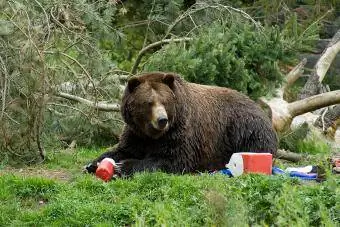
(90, 168)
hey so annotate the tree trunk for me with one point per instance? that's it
(329, 121)
(330, 115)
(313, 85)
(289, 156)
(284, 112)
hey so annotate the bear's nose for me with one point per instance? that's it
(162, 121)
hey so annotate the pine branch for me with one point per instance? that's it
(206, 6)
(153, 45)
(80, 65)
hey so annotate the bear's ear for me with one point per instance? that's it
(169, 80)
(133, 83)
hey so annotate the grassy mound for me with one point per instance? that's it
(32, 197)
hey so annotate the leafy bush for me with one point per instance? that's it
(304, 140)
(231, 54)
(47, 46)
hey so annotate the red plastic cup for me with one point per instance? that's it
(106, 169)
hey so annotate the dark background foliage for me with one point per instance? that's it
(87, 49)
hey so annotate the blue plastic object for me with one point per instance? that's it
(300, 175)
(304, 176)
(226, 172)
(277, 170)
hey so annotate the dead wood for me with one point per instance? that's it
(289, 156)
(313, 85)
(107, 107)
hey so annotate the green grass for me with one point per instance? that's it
(158, 199)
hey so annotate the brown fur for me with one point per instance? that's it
(207, 125)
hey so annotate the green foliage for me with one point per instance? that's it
(304, 140)
(312, 144)
(291, 138)
(234, 54)
(299, 35)
(160, 199)
(50, 46)
(140, 23)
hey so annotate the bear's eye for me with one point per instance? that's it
(149, 103)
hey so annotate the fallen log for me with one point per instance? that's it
(289, 156)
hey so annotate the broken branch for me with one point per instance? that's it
(287, 155)
(313, 85)
(326, 59)
(114, 107)
(295, 73)
(314, 102)
(284, 112)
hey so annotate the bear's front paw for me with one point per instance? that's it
(127, 167)
(90, 168)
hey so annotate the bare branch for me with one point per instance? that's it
(4, 89)
(313, 85)
(70, 107)
(314, 102)
(284, 112)
(47, 20)
(327, 57)
(328, 117)
(295, 73)
(80, 65)
(289, 156)
(148, 25)
(115, 107)
(153, 45)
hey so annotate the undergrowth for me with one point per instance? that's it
(159, 199)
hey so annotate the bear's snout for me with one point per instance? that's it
(162, 122)
(159, 117)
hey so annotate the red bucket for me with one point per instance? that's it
(106, 169)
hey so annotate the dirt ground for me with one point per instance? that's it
(38, 172)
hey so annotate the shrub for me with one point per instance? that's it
(45, 45)
(231, 54)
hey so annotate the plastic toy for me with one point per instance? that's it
(106, 169)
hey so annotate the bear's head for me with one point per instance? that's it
(148, 105)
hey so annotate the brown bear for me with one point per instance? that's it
(180, 127)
